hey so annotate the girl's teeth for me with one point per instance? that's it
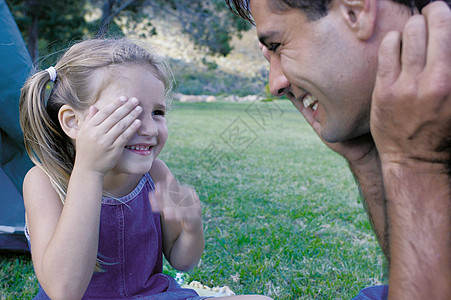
(137, 148)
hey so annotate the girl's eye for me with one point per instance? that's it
(159, 113)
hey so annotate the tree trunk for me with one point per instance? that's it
(33, 30)
(107, 11)
(108, 14)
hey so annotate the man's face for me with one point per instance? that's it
(322, 64)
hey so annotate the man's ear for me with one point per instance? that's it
(360, 16)
(70, 120)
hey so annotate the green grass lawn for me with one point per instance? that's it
(281, 212)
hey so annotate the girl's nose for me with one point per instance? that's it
(148, 126)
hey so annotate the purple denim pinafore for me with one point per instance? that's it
(130, 248)
(377, 292)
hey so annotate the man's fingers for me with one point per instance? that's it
(389, 66)
(438, 18)
(414, 46)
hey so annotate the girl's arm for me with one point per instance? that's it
(181, 220)
(64, 238)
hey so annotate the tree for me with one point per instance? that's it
(53, 23)
(56, 23)
(113, 8)
(209, 24)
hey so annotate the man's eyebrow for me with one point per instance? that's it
(264, 37)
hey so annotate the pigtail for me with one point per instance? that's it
(47, 145)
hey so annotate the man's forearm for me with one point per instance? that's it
(418, 207)
(369, 179)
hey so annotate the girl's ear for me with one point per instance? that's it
(70, 120)
(360, 16)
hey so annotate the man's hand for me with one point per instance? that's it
(411, 109)
(411, 126)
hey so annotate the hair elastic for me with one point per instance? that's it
(52, 73)
(49, 86)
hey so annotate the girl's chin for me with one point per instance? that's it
(132, 170)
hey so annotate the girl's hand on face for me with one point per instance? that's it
(177, 203)
(104, 133)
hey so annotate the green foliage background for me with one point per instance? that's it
(207, 27)
(209, 24)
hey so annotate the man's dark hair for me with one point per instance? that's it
(314, 9)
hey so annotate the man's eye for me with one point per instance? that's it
(273, 46)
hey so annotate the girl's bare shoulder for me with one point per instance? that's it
(37, 187)
(35, 176)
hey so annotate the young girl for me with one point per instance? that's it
(94, 125)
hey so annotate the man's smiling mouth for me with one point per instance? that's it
(310, 101)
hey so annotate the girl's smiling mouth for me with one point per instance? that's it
(141, 149)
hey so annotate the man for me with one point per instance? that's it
(373, 78)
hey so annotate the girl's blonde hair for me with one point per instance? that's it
(82, 75)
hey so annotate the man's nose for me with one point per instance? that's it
(278, 82)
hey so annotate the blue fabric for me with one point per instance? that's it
(378, 292)
(130, 247)
(15, 67)
(15, 64)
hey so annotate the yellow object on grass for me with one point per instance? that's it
(204, 290)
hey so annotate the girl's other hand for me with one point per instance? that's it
(177, 203)
(181, 222)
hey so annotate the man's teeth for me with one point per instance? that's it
(309, 101)
(138, 147)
